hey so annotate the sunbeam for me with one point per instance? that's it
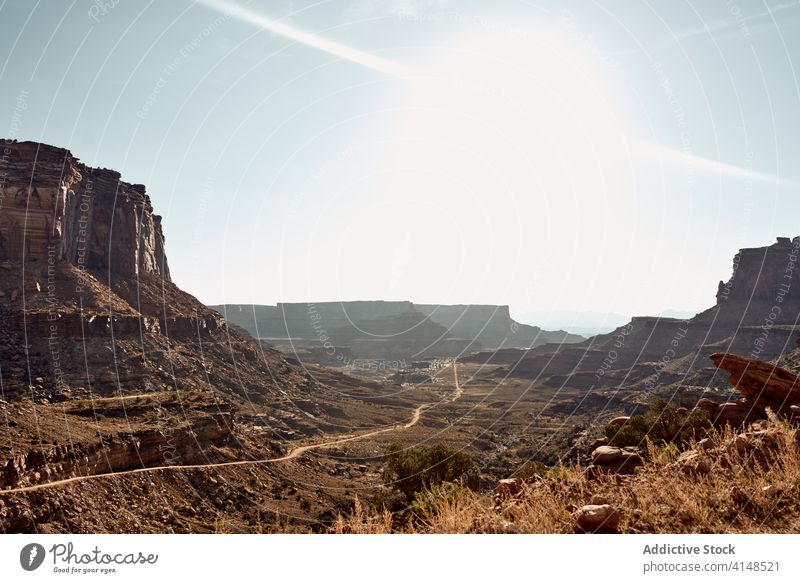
(307, 38)
(670, 156)
(644, 150)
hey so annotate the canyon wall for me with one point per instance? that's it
(52, 205)
(764, 287)
(756, 315)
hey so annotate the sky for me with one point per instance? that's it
(604, 157)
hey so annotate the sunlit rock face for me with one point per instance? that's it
(53, 208)
(764, 287)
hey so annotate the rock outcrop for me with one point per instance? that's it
(54, 208)
(755, 315)
(764, 287)
(145, 448)
(763, 386)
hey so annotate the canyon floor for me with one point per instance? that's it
(169, 461)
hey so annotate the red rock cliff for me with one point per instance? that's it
(50, 203)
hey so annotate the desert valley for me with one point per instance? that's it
(129, 406)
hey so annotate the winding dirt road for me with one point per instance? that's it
(293, 453)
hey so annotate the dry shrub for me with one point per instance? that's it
(361, 521)
(752, 488)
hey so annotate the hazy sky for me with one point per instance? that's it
(604, 156)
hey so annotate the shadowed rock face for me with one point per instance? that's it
(762, 384)
(56, 209)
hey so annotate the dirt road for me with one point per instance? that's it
(293, 453)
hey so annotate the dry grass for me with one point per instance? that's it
(362, 522)
(747, 483)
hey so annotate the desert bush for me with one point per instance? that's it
(663, 423)
(412, 470)
(390, 500)
(446, 507)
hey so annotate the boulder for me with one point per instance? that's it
(613, 460)
(606, 454)
(628, 462)
(598, 518)
(691, 462)
(736, 414)
(708, 406)
(706, 444)
(597, 443)
(508, 488)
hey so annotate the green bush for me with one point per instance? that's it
(390, 500)
(416, 469)
(663, 423)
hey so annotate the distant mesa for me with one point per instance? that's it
(337, 332)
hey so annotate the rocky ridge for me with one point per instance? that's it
(755, 314)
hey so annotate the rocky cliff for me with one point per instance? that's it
(764, 288)
(756, 314)
(54, 208)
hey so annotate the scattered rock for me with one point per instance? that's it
(736, 414)
(706, 444)
(598, 518)
(598, 443)
(507, 527)
(605, 454)
(739, 445)
(691, 462)
(508, 488)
